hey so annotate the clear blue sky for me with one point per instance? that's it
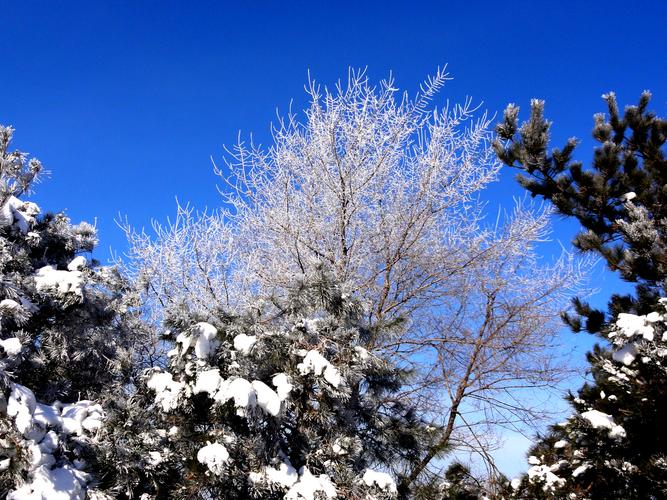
(125, 102)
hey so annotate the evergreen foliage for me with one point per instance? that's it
(615, 446)
(458, 484)
(281, 402)
(65, 341)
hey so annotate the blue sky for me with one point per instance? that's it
(125, 102)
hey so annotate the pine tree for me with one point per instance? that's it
(64, 341)
(458, 484)
(281, 402)
(615, 445)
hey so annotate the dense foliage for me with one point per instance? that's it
(281, 402)
(66, 340)
(616, 444)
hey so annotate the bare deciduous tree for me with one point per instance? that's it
(383, 190)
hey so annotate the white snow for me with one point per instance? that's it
(243, 343)
(33, 420)
(629, 196)
(315, 363)
(80, 416)
(282, 385)
(301, 486)
(49, 279)
(515, 483)
(243, 392)
(77, 263)
(308, 486)
(631, 324)
(154, 458)
(61, 483)
(12, 346)
(626, 354)
(533, 460)
(208, 381)
(654, 317)
(267, 399)
(560, 444)
(206, 343)
(185, 340)
(71, 419)
(21, 405)
(47, 415)
(167, 390)
(285, 474)
(600, 420)
(9, 304)
(544, 473)
(361, 353)
(15, 211)
(6, 215)
(381, 479)
(311, 325)
(340, 446)
(214, 456)
(238, 389)
(580, 470)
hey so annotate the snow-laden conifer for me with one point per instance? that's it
(64, 343)
(615, 443)
(281, 402)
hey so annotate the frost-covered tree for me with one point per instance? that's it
(615, 445)
(65, 341)
(383, 189)
(279, 402)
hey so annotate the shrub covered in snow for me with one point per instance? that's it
(277, 403)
